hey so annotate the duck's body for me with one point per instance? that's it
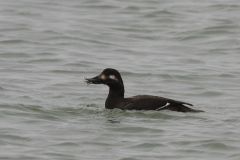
(115, 99)
(147, 102)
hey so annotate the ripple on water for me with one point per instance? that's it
(52, 60)
(68, 144)
(17, 41)
(147, 146)
(15, 55)
(14, 138)
(216, 146)
(162, 13)
(211, 94)
(1, 88)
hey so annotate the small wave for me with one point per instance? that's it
(46, 54)
(193, 37)
(13, 41)
(14, 138)
(29, 14)
(1, 88)
(132, 8)
(134, 129)
(217, 146)
(224, 6)
(158, 14)
(15, 55)
(227, 75)
(98, 6)
(64, 71)
(236, 155)
(15, 29)
(147, 145)
(44, 60)
(18, 41)
(212, 94)
(68, 144)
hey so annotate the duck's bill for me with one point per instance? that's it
(94, 80)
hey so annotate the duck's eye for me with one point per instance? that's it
(112, 77)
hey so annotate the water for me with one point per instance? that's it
(184, 50)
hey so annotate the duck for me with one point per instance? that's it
(112, 78)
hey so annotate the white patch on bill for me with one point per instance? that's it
(103, 77)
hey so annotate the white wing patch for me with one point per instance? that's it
(163, 106)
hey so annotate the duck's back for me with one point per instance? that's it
(147, 102)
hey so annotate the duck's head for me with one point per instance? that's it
(109, 76)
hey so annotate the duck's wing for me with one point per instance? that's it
(146, 102)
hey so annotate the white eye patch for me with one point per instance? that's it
(112, 77)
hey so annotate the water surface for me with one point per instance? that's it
(184, 50)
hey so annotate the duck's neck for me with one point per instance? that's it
(116, 91)
(115, 96)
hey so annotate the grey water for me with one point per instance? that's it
(184, 50)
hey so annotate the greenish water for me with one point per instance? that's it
(182, 50)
